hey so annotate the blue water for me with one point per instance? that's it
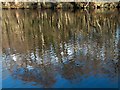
(60, 49)
(99, 81)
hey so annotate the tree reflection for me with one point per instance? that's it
(43, 44)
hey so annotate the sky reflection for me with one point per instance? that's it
(60, 49)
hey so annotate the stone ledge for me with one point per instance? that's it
(59, 5)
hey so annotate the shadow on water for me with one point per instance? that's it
(60, 49)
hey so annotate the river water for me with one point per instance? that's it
(60, 49)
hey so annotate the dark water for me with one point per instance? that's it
(60, 48)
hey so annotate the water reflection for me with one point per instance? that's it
(60, 49)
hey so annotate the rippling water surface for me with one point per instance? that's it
(60, 49)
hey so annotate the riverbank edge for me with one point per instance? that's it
(59, 5)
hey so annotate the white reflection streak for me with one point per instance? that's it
(14, 57)
(29, 67)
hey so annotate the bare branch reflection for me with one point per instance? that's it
(40, 45)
